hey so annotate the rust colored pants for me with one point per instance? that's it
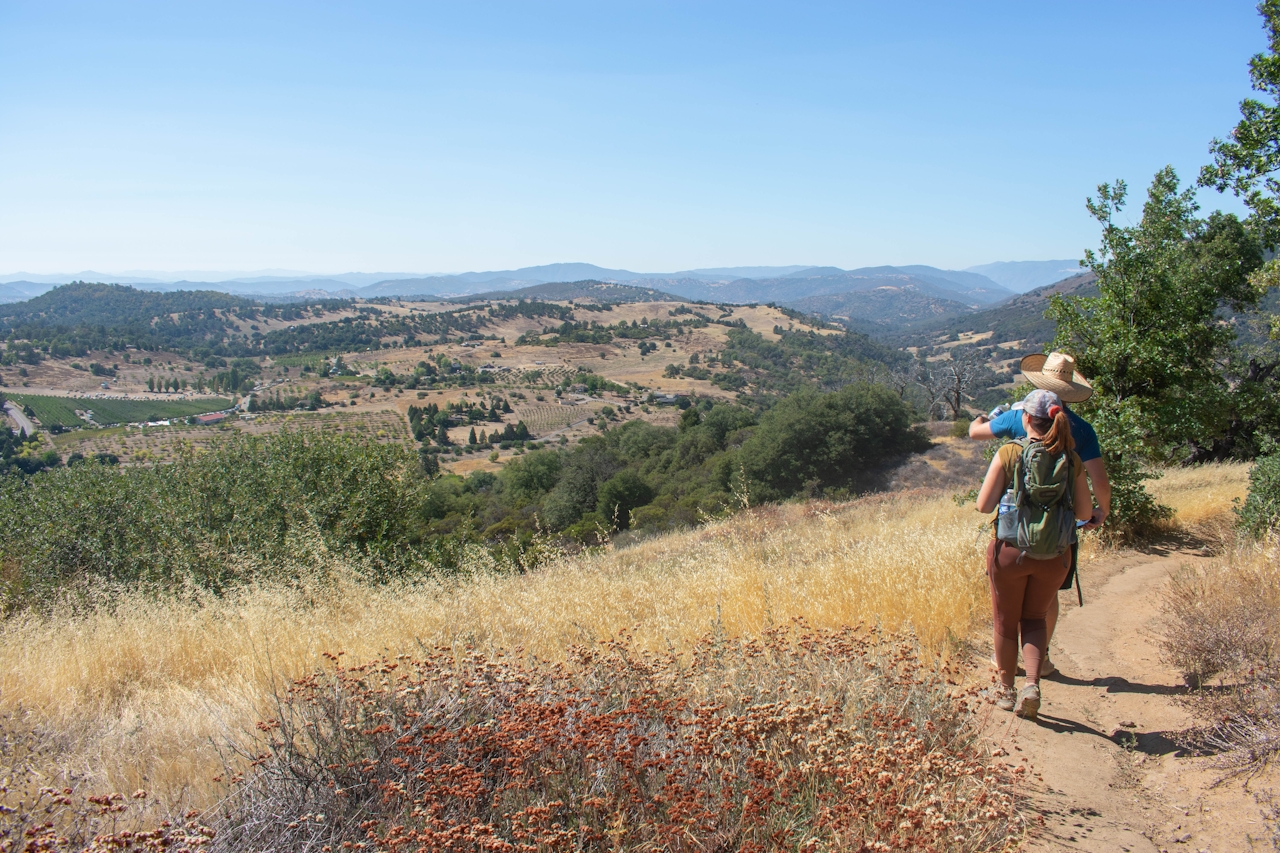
(1022, 589)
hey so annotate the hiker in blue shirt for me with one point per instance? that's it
(1057, 372)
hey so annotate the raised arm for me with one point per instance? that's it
(980, 427)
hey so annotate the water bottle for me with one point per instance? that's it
(998, 411)
(1007, 517)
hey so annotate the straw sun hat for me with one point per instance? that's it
(1057, 372)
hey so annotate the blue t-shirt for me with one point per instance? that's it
(1009, 425)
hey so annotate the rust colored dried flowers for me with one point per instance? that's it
(52, 820)
(800, 740)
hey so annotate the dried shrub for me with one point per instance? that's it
(1223, 620)
(801, 740)
(38, 818)
(1224, 617)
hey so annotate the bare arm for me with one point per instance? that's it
(1097, 471)
(993, 486)
(980, 427)
(1081, 498)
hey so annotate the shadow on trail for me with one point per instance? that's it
(1147, 743)
(1116, 684)
(1176, 543)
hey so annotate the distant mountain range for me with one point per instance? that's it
(963, 287)
(980, 285)
(1023, 276)
(890, 301)
(883, 310)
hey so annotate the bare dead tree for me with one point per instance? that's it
(957, 376)
(934, 382)
(900, 377)
(948, 383)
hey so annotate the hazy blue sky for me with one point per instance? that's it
(651, 136)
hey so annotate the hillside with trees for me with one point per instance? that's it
(180, 523)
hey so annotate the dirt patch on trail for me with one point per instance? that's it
(1107, 771)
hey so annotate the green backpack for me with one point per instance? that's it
(1037, 514)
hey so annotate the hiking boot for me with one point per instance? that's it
(1028, 702)
(1047, 668)
(1001, 696)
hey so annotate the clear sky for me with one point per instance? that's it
(650, 136)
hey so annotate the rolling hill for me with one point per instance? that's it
(966, 288)
(719, 284)
(601, 291)
(113, 305)
(1018, 319)
(881, 309)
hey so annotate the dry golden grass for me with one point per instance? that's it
(1222, 624)
(138, 694)
(1204, 493)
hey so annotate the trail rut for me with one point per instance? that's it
(1105, 768)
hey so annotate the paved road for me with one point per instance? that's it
(24, 424)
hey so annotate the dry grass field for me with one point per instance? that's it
(140, 692)
(1203, 495)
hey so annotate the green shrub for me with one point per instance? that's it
(1261, 510)
(1121, 437)
(622, 493)
(203, 519)
(811, 442)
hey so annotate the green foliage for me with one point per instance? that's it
(532, 476)
(278, 402)
(1247, 162)
(20, 455)
(1261, 511)
(63, 409)
(593, 383)
(1133, 509)
(209, 519)
(1151, 342)
(637, 475)
(622, 493)
(250, 504)
(799, 359)
(530, 309)
(810, 442)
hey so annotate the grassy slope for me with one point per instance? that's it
(136, 693)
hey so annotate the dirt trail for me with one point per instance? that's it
(1109, 774)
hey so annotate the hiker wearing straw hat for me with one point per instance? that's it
(1039, 487)
(1057, 372)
